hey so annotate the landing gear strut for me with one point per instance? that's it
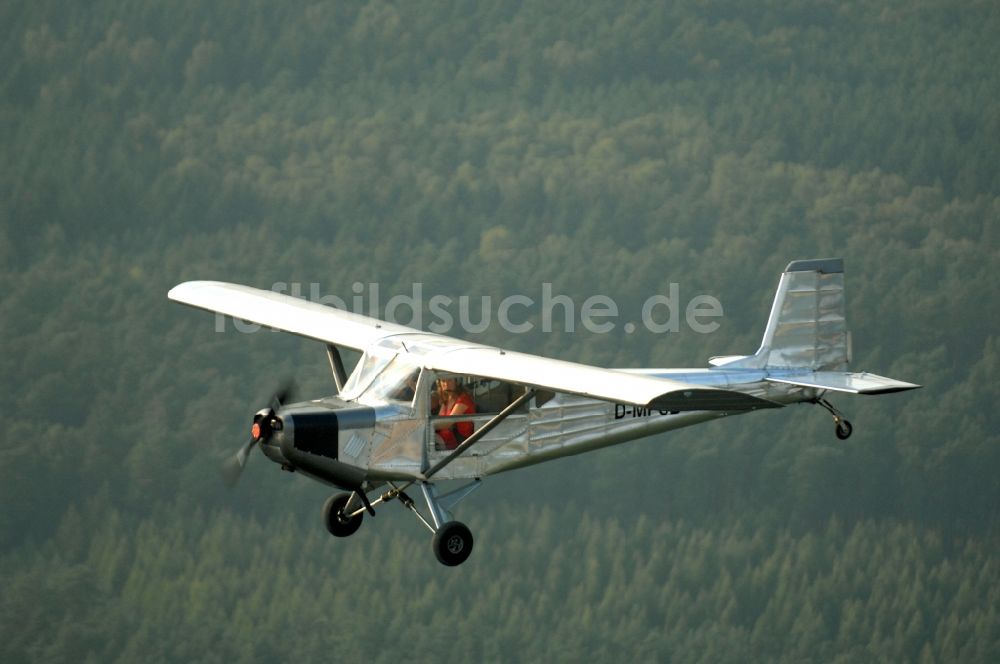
(844, 428)
(452, 539)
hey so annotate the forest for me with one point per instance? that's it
(486, 149)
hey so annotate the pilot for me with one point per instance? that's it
(454, 400)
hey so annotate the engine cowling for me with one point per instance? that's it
(313, 433)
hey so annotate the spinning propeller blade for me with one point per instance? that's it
(283, 395)
(232, 468)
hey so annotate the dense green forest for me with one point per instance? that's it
(485, 149)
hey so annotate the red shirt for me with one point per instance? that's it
(462, 429)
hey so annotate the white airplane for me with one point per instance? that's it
(390, 428)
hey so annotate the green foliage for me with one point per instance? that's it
(220, 587)
(484, 150)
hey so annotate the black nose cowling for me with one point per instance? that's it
(311, 435)
(317, 430)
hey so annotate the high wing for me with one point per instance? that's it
(342, 328)
(286, 313)
(589, 381)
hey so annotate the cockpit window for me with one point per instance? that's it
(383, 375)
(397, 382)
(370, 366)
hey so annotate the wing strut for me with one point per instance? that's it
(336, 366)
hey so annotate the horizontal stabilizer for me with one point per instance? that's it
(853, 383)
(723, 360)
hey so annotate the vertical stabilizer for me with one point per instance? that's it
(807, 328)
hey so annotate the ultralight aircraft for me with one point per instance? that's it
(382, 433)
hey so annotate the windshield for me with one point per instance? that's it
(396, 382)
(373, 362)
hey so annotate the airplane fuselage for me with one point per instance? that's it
(349, 443)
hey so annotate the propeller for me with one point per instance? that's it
(261, 430)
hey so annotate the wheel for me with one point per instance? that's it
(452, 543)
(844, 429)
(335, 522)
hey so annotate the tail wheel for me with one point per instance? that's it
(452, 543)
(333, 516)
(844, 429)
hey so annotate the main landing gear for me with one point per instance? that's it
(452, 541)
(844, 428)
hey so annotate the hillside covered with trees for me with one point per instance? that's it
(487, 149)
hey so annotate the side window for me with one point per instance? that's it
(450, 400)
(488, 396)
(492, 396)
(453, 396)
(543, 396)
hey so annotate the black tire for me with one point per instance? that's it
(452, 543)
(844, 429)
(335, 523)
